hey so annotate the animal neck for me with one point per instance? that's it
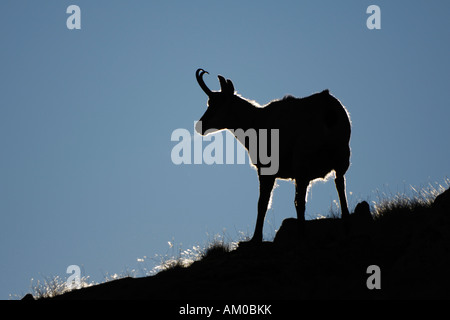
(246, 122)
(246, 117)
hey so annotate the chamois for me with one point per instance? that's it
(314, 136)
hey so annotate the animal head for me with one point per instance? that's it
(221, 105)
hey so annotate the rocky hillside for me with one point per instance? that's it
(407, 247)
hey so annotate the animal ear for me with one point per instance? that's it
(230, 86)
(223, 83)
(226, 86)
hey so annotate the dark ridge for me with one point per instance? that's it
(411, 248)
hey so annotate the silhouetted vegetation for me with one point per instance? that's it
(216, 249)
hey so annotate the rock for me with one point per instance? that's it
(442, 201)
(288, 234)
(28, 297)
(318, 231)
(362, 211)
(361, 221)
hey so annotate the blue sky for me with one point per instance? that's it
(86, 118)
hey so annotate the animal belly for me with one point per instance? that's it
(309, 164)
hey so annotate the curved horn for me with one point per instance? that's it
(199, 75)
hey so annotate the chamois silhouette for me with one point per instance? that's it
(314, 135)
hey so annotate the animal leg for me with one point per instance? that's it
(265, 190)
(301, 188)
(340, 186)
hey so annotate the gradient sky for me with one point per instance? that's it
(86, 118)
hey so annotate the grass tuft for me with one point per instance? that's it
(403, 204)
(216, 249)
(53, 286)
